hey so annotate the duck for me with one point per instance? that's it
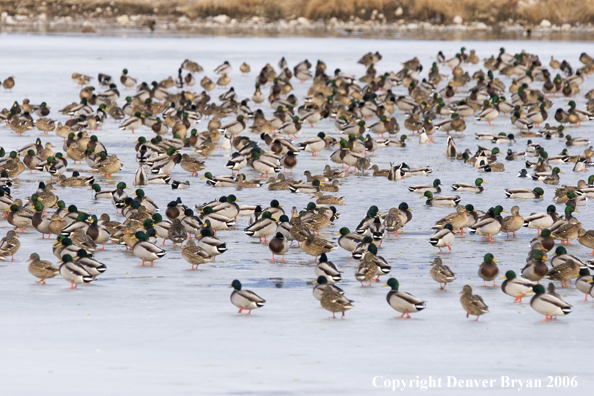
(92, 266)
(41, 269)
(477, 187)
(536, 267)
(579, 141)
(516, 287)
(547, 304)
(488, 226)
(219, 181)
(349, 240)
(584, 283)
(472, 304)
(488, 269)
(513, 222)
(76, 180)
(457, 220)
(74, 273)
(441, 273)
(586, 238)
(315, 246)
(145, 250)
(332, 298)
(403, 302)
(19, 217)
(322, 199)
(262, 228)
(195, 255)
(524, 193)
(443, 237)
(191, 165)
(565, 270)
(327, 269)
(245, 299)
(10, 244)
(434, 188)
(567, 231)
(278, 245)
(441, 200)
(541, 221)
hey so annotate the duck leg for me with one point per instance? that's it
(42, 282)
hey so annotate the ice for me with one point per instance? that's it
(165, 330)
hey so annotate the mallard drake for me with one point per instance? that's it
(441, 273)
(434, 188)
(472, 304)
(74, 273)
(306, 188)
(349, 240)
(132, 123)
(234, 127)
(245, 299)
(570, 141)
(477, 187)
(145, 250)
(92, 266)
(263, 227)
(315, 246)
(584, 283)
(278, 245)
(327, 269)
(488, 113)
(441, 200)
(212, 245)
(547, 304)
(10, 244)
(98, 232)
(516, 287)
(536, 268)
(489, 225)
(101, 193)
(263, 166)
(488, 269)
(403, 302)
(524, 193)
(219, 181)
(41, 269)
(443, 237)
(514, 222)
(542, 220)
(41, 221)
(195, 255)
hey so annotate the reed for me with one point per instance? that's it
(437, 11)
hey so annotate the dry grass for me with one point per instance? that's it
(441, 11)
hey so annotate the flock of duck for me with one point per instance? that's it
(363, 109)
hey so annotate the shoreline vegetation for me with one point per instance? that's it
(306, 17)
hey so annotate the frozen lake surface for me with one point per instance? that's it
(165, 330)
